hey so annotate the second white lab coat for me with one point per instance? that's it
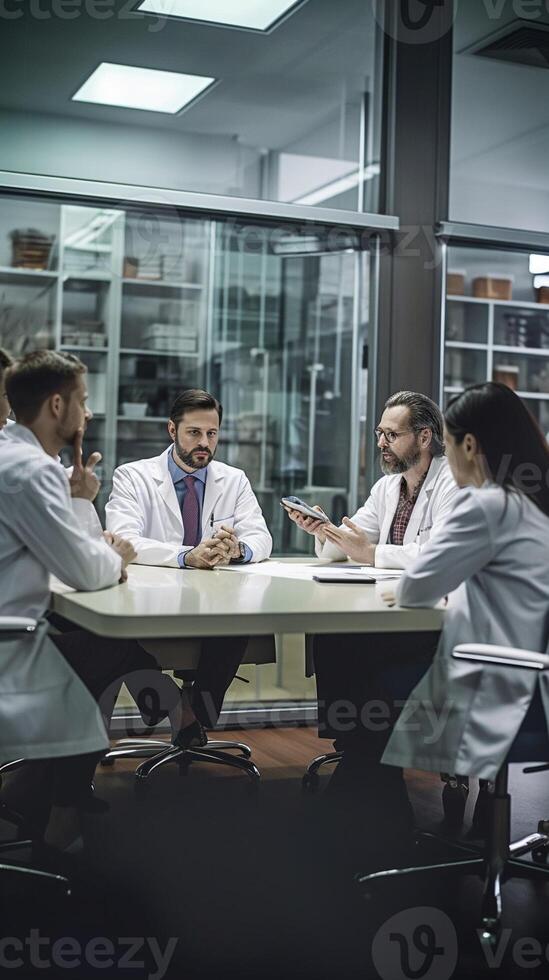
(143, 508)
(45, 709)
(434, 504)
(491, 559)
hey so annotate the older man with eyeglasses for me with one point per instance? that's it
(362, 680)
(408, 504)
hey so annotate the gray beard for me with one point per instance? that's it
(397, 465)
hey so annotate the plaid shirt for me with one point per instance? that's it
(404, 510)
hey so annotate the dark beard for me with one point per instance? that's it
(187, 458)
(396, 465)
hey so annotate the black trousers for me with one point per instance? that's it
(362, 681)
(220, 658)
(103, 664)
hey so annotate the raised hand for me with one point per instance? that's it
(84, 482)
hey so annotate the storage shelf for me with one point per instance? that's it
(540, 396)
(526, 303)
(160, 283)
(465, 345)
(87, 276)
(536, 351)
(145, 418)
(94, 350)
(32, 276)
(156, 353)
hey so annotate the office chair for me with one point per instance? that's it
(499, 857)
(13, 628)
(182, 657)
(311, 779)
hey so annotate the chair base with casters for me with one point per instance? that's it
(158, 752)
(311, 778)
(499, 858)
(184, 655)
(24, 841)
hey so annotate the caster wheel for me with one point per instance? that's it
(489, 935)
(310, 782)
(106, 763)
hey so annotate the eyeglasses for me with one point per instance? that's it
(389, 435)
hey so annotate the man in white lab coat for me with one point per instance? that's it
(53, 716)
(187, 510)
(406, 507)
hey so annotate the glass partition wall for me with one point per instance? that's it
(270, 317)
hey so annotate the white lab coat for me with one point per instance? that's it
(143, 508)
(492, 559)
(45, 709)
(434, 504)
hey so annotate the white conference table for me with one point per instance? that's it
(162, 603)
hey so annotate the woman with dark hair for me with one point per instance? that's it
(492, 561)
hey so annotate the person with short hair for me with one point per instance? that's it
(357, 674)
(45, 710)
(409, 504)
(187, 510)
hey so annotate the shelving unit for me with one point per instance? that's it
(497, 339)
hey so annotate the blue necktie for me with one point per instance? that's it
(190, 512)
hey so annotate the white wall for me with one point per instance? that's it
(54, 145)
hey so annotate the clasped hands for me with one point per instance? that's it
(218, 550)
(351, 538)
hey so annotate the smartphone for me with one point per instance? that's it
(294, 503)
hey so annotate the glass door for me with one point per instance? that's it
(283, 362)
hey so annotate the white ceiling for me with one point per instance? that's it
(273, 87)
(500, 119)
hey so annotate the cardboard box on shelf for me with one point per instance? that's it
(506, 374)
(180, 346)
(493, 287)
(542, 294)
(30, 248)
(131, 267)
(455, 282)
(171, 330)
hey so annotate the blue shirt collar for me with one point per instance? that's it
(177, 474)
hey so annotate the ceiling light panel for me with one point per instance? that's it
(255, 15)
(141, 88)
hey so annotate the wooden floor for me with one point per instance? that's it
(257, 887)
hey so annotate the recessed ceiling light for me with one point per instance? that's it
(141, 88)
(256, 15)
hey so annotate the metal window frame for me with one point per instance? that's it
(212, 204)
